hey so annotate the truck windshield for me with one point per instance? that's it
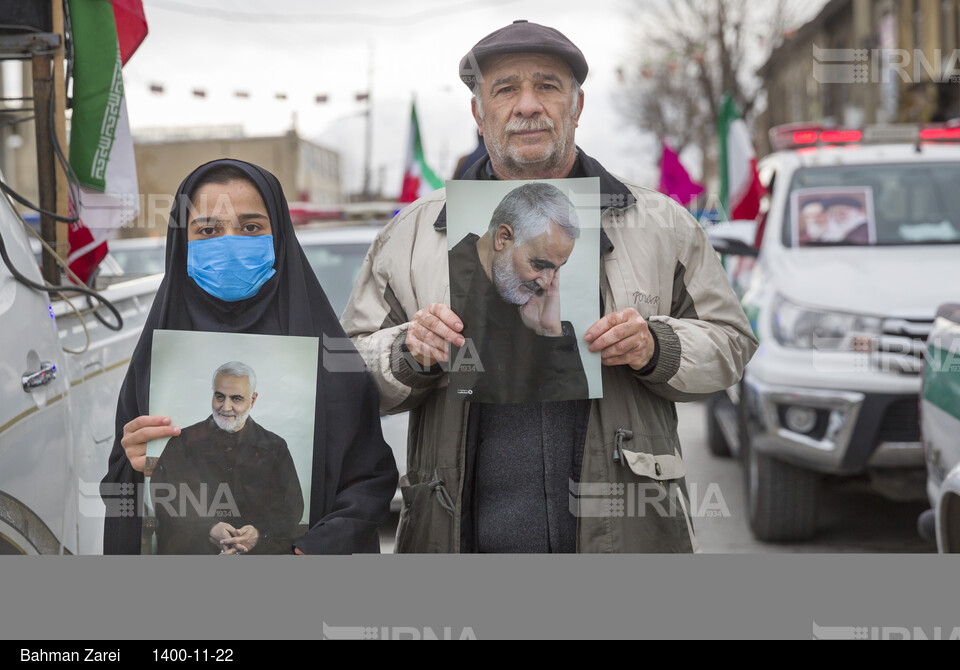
(874, 205)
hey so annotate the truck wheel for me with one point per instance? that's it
(716, 442)
(781, 498)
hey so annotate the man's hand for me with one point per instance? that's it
(222, 531)
(243, 541)
(622, 338)
(430, 331)
(141, 430)
(541, 314)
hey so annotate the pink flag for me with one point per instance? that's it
(674, 180)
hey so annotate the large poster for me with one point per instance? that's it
(524, 278)
(236, 480)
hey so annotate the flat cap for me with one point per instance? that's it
(523, 37)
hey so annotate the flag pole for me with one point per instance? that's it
(60, 128)
(43, 93)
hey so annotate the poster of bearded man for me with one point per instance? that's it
(236, 480)
(524, 278)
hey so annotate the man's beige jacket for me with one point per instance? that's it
(658, 260)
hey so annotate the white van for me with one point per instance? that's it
(62, 369)
(841, 279)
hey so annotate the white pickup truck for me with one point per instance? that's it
(62, 370)
(859, 246)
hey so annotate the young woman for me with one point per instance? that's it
(233, 264)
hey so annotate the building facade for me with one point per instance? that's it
(307, 171)
(864, 62)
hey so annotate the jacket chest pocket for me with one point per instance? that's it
(624, 288)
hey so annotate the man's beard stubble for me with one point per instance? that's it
(498, 144)
(508, 283)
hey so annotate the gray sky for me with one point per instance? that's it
(304, 48)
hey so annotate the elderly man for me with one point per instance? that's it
(847, 221)
(506, 286)
(525, 478)
(226, 485)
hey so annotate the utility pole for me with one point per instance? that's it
(368, 145)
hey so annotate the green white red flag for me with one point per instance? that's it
(105, 35)
(418, 178)
(740, 188)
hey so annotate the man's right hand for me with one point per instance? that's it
(223, 531)
(430, 332)
(141, 430)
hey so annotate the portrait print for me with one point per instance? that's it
(236, 480)
(524, 277)
(833, 216)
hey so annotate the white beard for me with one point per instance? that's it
(230, 424)
(508, 283)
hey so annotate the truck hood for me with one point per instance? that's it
(881, 281)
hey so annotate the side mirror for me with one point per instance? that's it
(734, 238)
(950, 312)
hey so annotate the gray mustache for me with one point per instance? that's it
(520, 125)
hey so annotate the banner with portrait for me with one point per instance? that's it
(525, 280)
(236, 480)
(836, 216)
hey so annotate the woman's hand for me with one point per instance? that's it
(141, 430)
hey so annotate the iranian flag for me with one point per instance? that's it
(740, 188)
(418, 178)
(105, 35)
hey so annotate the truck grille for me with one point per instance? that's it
(901, 422)
(902, 345)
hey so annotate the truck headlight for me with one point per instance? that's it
(801, 328)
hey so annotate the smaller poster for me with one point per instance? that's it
(524, 262)
(833, 216)
(236, 480)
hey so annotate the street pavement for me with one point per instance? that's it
(853, 519)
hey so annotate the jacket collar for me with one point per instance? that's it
(613, 194)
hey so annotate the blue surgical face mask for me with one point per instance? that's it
(231, 267)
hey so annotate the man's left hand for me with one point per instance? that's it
(622, 338)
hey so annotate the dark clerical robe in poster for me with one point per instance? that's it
(207, 475)
(503, 360)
